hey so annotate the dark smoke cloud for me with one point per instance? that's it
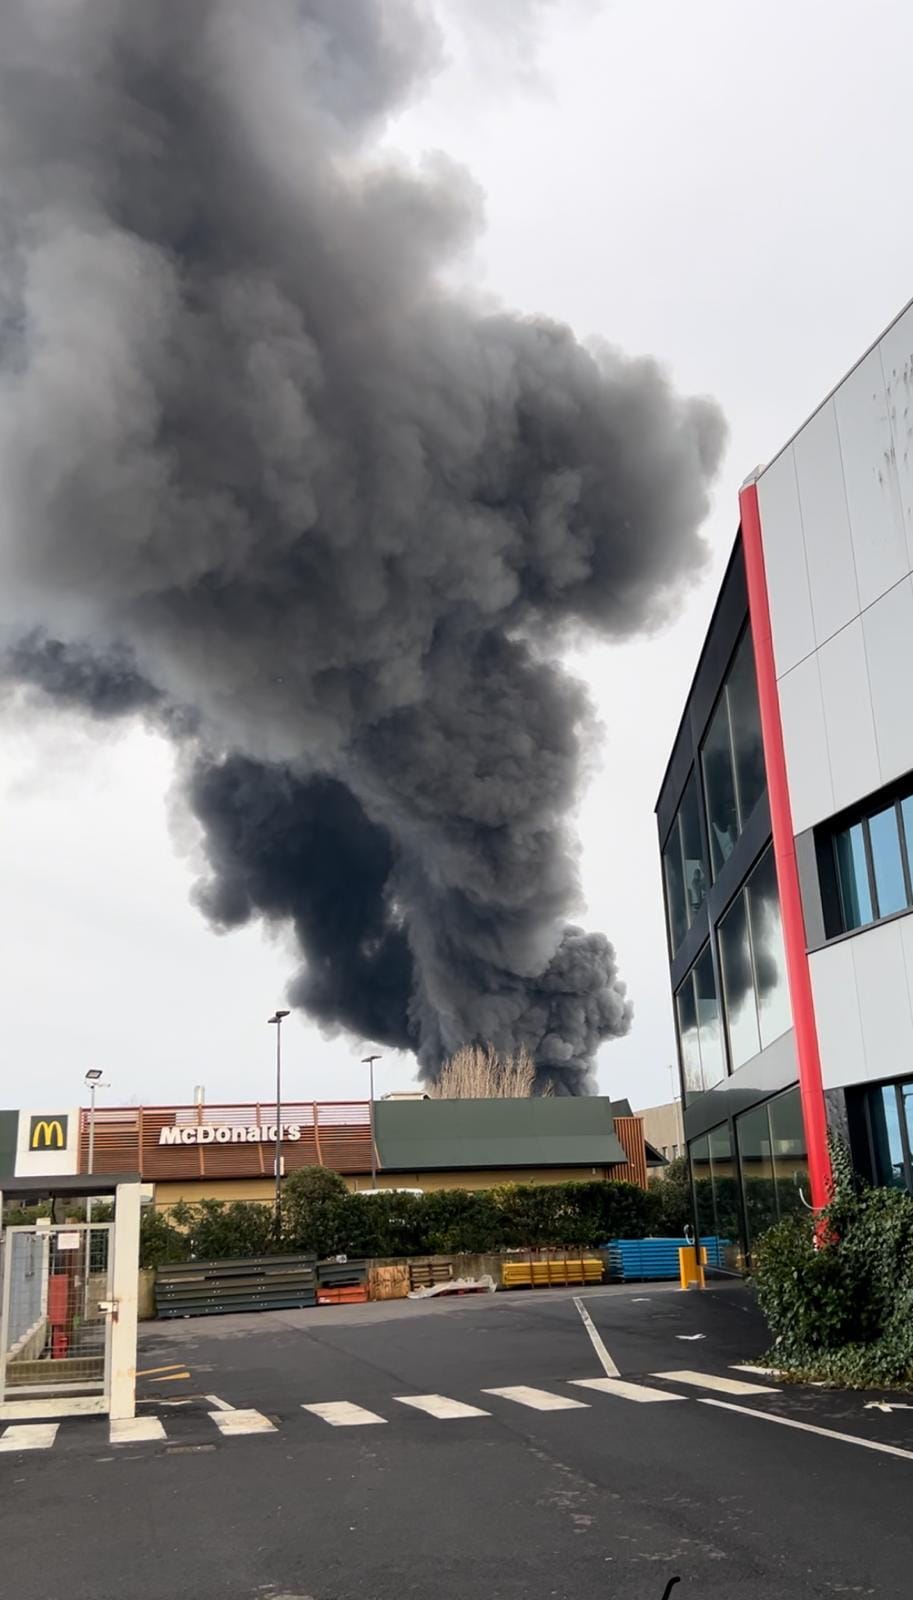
(256, 454)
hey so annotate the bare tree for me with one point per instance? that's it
(478, 1072)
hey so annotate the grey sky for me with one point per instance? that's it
(724, 189)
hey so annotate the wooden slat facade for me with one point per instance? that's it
(630, 1133)
(335, 1134)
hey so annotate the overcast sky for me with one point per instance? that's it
(723, 186)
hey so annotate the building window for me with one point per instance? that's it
(890, 1118)
(684, 866)
(716, 1194)
(869, 862)
(732, 756)
(700, 1033)
(772, 1161)
(753, 964)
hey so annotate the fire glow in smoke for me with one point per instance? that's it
(267, 482)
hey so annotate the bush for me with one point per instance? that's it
(320, 1215)
(160, 1241)
(838, 1292)
(672, 1194)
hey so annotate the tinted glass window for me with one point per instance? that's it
(725, 1197)
(853, 878)
(756, 1162)
(719, 786)
(873, 865)
(894, 1140)
(684, 867)
(732, 757)
(738, 984)
(692, 849)
(745, 721)
(675, 888)
(689, 1038)
(890, 888)
(703, 1185)
(774, 1016)
(710, 1027)
(787, 1136)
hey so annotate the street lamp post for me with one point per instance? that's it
(277, 1220)
(368, 1061)
(93, 1079)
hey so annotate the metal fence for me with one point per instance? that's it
(207, 1288)
(54, 1330)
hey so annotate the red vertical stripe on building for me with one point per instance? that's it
(811, 1088)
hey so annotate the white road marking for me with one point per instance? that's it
(689, 1337)
(219, 1405)
(135, 1430)
(29, 1436)
(605, 1360)
(626, 1391)
(707, 1380)
(538, 1399)
(438, 1405)
(234, 1422)
(760, 1372)
(343, 1414)
(809, 1427)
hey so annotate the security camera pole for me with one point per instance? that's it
(277, 1221)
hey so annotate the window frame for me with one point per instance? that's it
(723, 701)
(861, 816)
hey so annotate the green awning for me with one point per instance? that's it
(429, 1135)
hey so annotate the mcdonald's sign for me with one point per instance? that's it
(48, 1133)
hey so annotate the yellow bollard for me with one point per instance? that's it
(690, 1271)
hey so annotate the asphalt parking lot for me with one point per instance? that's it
(491, 1447)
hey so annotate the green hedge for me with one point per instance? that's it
(319, 1214)
(838, 1292)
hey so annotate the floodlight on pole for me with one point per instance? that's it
(277, 1220)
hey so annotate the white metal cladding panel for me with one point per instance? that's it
(897, 368)
(784, 561)
(888, 631)
(885, 1009)
(872, 483)
(848, 717)
(837, 1015)
(805, 742)
(826, 524)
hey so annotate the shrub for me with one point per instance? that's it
(838, 1292)
(160, 1241)
(672, 1194)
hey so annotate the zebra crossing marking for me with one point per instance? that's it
(136, 1430)
(230, 1423)
(707, 1380)
(29, 1436)
(344, 1414)
(640, 1392)
(439, 1406)
(538, 1399)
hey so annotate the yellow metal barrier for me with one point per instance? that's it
(690, 1271)
(537, 1274)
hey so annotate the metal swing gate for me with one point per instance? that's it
(56, 1315)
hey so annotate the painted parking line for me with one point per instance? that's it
(217, 1404)
(605, 1360)
(173, 1377)
(640, 1392)
(538, 1399)
(148, 1372)
(708, 1380)
(759, 1372)
(29, 1436)
(136, 1430)
(231, 1423)
(440, 1406)
(809, 1427)
(343, 1414)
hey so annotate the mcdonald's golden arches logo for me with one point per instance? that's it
(48, 1133)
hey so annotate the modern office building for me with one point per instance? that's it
(786, 821)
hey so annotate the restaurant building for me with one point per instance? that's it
(786, 821)
(228, 1152)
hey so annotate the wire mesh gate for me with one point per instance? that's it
(55, 1311)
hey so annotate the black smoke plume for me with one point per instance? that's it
(267, 479)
